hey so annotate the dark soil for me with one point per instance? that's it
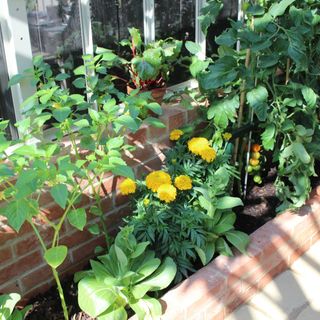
(260, 207)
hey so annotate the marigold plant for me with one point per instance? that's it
(167, 193)
(183, 182)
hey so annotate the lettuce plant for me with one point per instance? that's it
(122, 278)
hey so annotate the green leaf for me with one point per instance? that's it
(115, 143)
(141, 248)
(95, 297)
(202, 255)
(222, 72)
(147, 308)
(278, 9)
(310, 97)
(136, 37)
(61, 114)
(94, 115)
(228, 202)
(7, 304)
(94, 229)
(80, 71)
(55, 256)
(123, 171)
(18, 211)
(122, 259)
(223, 111)
(257, 99)
(62, 76)
(78, 218)
(209, 15)
(163, 276)
(83, 123)
(59, 193)
(223, 248)
(155, 107)
(268, 137)
(301, 153)
(16, 79)
(128, 122)
(193, 47)
(115, 312)
(227, 38)
(79, 83)
(239, 239)
(154, 122)
(197, 66)
(297, 49)
(255, 10)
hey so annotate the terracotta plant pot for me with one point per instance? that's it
(157, 93)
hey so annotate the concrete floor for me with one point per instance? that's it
(293, 295)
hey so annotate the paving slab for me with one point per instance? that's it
(293, 295)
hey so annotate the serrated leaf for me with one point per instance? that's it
(223, 111)
(278, 9)
(301, 153)
(309, 96)
(124, 171)
(154, 122)
(257, 99)
(268, 137)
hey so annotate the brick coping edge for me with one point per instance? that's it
(227, 282)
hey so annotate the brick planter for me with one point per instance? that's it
(225, 283)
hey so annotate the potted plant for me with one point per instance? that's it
(151, 64)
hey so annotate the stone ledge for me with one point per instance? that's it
(227, 282)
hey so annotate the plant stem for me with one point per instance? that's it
(288, 71)
(61, 294)
(242, 103)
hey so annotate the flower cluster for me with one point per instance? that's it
(200, 146)
(161, 183)
(127, 186)
(175, 134)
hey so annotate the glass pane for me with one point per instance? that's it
(230, 10)
(175, 19)
(55, 32)
(112, 18)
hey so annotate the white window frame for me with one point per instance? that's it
(17, 43)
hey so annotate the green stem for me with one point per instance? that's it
(61, 294)
(36, 231)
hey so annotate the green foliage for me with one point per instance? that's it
(275, 74)
(194, 225)
(122, 278)
(7, 307)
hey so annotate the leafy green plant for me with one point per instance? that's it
(150, 64)
(270, 83)
(197, 221)
(37, 162)
(7, 307)
(122, 278)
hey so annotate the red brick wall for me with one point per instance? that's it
(22, 268)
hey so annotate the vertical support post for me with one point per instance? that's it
(200, 36)
(17, 47)
(149, 21)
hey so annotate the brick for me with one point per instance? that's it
(20, 266)
(139, 137)
(5, 254)
(6, 233)
(86, 250)
(10, 287)
(145, 168)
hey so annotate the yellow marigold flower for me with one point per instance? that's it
(155, 179)
(196, 145)
(167, 192)
(127, 186)
(183, 182)
(227, 136)
(146, 202)
(208, 154)
(176, 134)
